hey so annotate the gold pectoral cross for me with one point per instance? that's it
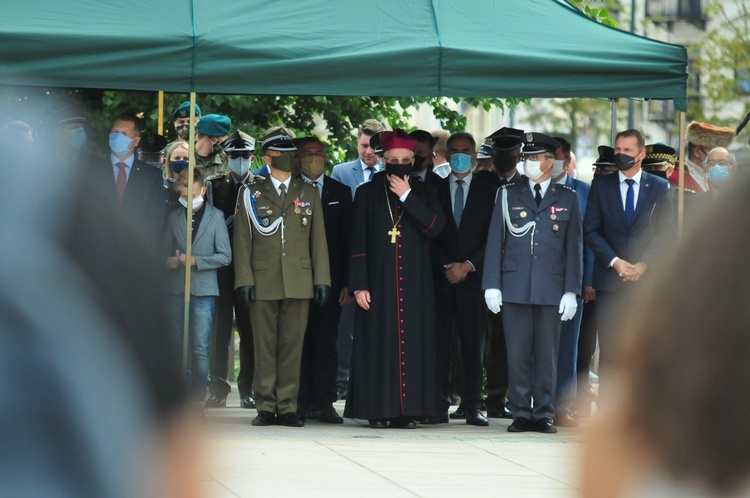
(394, 233)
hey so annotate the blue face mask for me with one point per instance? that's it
(77, 138)
(460, 163)
(178, 166)
(119, 143)
(718, 175)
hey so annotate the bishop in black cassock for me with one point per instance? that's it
(393, 375)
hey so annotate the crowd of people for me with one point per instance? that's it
(430, 271)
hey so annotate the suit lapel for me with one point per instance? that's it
(359, 175)
(445, 201)
(644, 199)
(614, 193)
(550, 196)
(527, 197)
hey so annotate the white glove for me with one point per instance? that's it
(494, 300)
(568, 306)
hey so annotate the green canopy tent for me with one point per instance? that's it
(455, 48)
(504, 48)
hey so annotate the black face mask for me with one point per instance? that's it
(624, 162)
(661, 174)
(399, 170)
(418, 162)
(504, 164)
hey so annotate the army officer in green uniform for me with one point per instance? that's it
(280, 263)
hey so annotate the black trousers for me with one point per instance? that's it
(461, 310)
(319, 355)
(222, 334)
(586, 342)
(496, 362)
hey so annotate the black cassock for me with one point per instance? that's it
(393, 370)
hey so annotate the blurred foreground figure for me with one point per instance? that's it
(688, 365)
(91, 396)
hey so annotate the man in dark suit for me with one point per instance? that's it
(567, 357)
(628, 220)
(137, 185)
(422, 169)
(458, 260)
(533, 265)
(506, 152)
(319, 357)
(222, 194)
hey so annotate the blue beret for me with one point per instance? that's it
(184, 110)
(214, 125)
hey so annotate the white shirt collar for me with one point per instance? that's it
(636, 177)
(276, 183)
(545, 184)
(466, 179)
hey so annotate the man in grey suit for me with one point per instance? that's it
(353, 174)
(533, 265)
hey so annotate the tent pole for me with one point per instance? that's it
(681, 181)
(160, 129)
(613, 130)
(189, 235)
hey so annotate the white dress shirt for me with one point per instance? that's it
(277, 184)
(545, 185)
(624, 187)
(128, 168)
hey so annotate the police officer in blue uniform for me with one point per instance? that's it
(533, 266)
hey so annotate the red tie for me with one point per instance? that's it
(122, 181)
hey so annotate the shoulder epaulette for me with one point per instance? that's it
(214, 177)
(567, 187)
(256, 179)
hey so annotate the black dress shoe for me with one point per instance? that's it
(402, 423)
(520, 424)
(378, 424)
(290, 420)
(247, 401)
(475, 417)
(440, 419)
(545, 425)
(502, 412)
(329, 415)
(312, 412)
(565, 419)
(216, 401)
(459, 413)
(264, 418)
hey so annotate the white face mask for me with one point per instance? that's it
(239, 165)
(197, 202)
(558, 168)
(533, 169)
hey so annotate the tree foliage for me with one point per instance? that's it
(723, 60)
(333, 118)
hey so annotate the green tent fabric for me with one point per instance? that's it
(482, 48)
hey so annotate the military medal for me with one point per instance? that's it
(265, 222)
(269, 212)
(523, 214)
(308, 211)
(304, 221)
(297, 210)
(555, 227)
(553, 217)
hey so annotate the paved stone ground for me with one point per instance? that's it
(352, 460)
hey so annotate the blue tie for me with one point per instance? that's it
(458, 202)
(630, 201)
(370, 172)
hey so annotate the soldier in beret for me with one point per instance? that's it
(181, 119)
(533, 269)
(222, 194)
(212, 129)
(280, 263)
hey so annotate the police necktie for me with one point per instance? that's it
(538, 195)
(282, 188)
(458, 202)
(122, 181)
(370, 172)
(630, 201)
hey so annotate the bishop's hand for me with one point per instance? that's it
(399, 185)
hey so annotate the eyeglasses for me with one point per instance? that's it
(398, 160)
(713, 163)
